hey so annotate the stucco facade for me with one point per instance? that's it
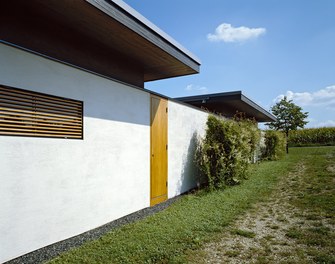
(52, 189)
(186, 126)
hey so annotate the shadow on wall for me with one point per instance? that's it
(103, 98)
(121, 104)
(190, 175)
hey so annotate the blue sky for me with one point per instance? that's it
(264, 48)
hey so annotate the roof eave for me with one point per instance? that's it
(129, 17)
(148, 24)
(256, 110)
(103, 36)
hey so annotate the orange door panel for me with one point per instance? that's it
(159, 159)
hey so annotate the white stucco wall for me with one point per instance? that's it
(185, 126)
(53, 189)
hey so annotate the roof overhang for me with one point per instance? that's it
(228, 104)
(168, 59)
(104, 30)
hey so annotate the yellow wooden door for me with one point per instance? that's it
(159, 148)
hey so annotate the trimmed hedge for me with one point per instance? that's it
(274, 145)
(324, 136)
(226, 150)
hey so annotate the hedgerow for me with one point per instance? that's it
(324, 136)
(226, 150)
(274, 145)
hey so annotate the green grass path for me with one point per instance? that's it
(295, 224)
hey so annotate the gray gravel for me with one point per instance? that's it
(47, 253)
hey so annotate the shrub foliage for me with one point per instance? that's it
(324, 136)
(226, 150)
(274, 145)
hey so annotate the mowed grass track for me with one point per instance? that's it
(196, 219)
(295, 224)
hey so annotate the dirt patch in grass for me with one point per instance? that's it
(331, 168)
(286, 228)
(270, 222)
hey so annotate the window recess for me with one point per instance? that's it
(27, 113)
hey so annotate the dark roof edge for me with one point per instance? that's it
(204, 96)
(237, 94)
(129, 17)
(256, 106)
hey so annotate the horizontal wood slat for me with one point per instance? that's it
(38, 120)
(10, 96)
(41, 104)
(46, 97)
(4, 126)
(37, 131)
(28, 121)
(13, 133)
(38, 112)
(28, 113)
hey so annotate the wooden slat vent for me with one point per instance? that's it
(27, 113)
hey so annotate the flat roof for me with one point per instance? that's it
(105, 36)
(133, 20)
(228, 104)
(132, 12)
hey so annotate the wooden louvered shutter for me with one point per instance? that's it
(27, 113)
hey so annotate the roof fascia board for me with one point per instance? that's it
(154, 28)
(137, 23)
(257, 107)
(236, 95)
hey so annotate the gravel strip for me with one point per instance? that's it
(49, 252)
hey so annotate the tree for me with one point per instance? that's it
(289, 117)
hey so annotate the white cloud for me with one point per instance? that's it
(196, 89)
(328, 123)
(324, 97)
(312, 123)
(318, 122)
(227, 33)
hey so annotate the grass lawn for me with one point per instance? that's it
(295, 224)
(174, 234)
